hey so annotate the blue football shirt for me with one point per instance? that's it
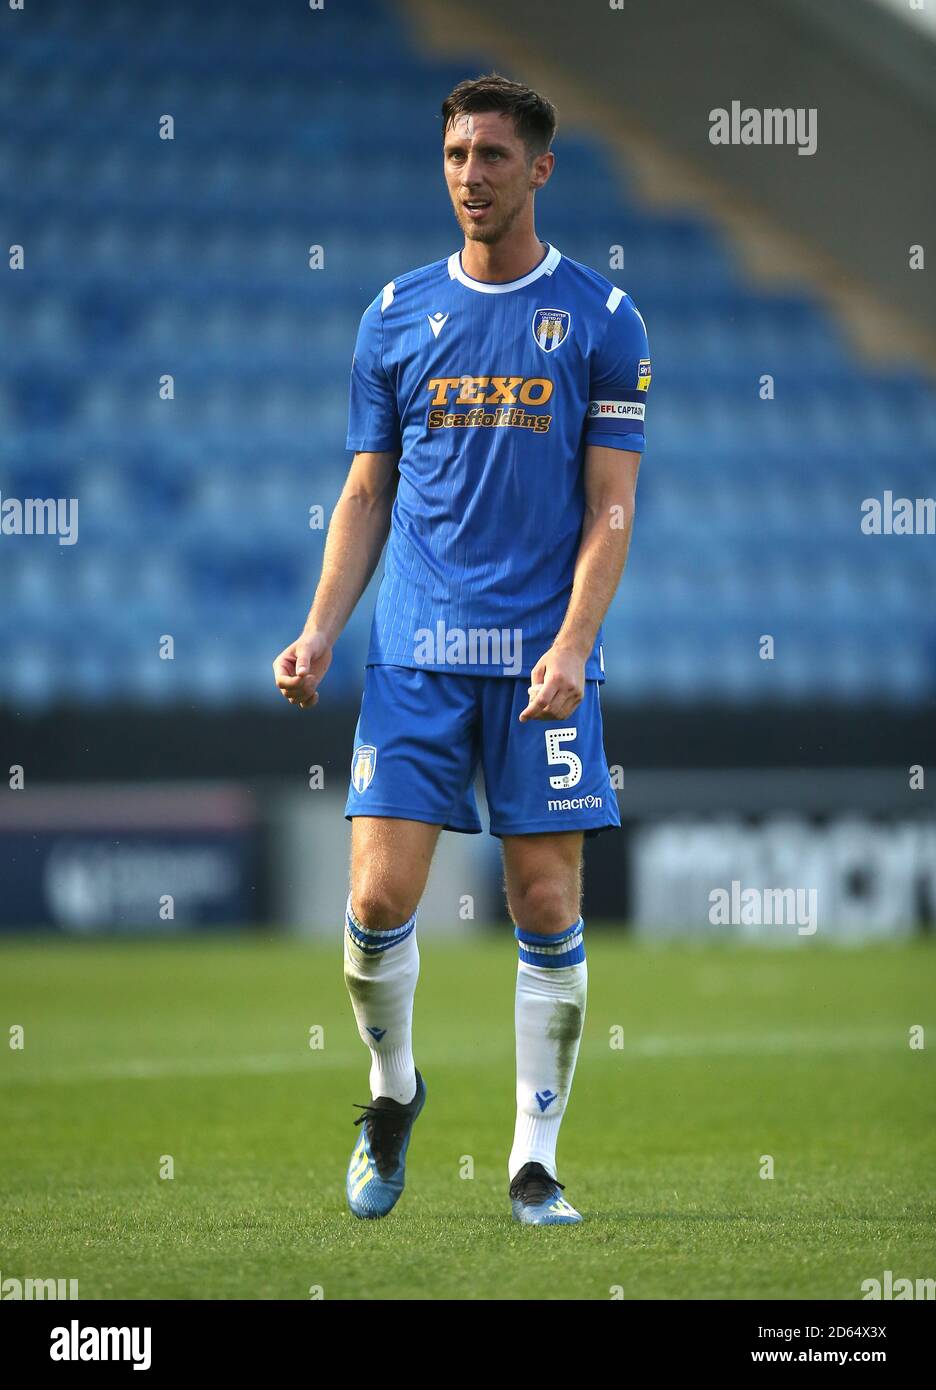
(491, 393)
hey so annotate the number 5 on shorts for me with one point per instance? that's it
(555, 754)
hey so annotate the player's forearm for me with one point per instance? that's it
(356, 536)
(599, 565)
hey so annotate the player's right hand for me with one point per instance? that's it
(299, 669)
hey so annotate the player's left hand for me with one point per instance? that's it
(557, 685)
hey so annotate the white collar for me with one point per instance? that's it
(546, 267)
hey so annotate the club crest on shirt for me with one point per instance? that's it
(551, 327)
(363, 766)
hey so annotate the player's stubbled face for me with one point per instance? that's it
(488, 174)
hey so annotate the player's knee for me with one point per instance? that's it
(381, 906)
(545, 905)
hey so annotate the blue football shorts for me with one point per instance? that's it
(422, 735)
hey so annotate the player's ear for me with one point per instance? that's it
(541, 169)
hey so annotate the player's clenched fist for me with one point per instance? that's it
(299, 669)
(557, 685)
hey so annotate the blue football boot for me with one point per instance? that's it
(377, 1170)
(536, 1201)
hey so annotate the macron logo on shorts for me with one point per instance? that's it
(576, 803)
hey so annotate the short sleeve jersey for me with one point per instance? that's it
(491, 392)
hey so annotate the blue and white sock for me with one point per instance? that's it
(381, 969)
(552, 981)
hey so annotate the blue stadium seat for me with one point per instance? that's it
(189, 257)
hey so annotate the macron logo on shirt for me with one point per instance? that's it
(437, 322)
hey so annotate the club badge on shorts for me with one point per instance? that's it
(363, 766)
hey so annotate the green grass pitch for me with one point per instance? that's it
(200, 1050)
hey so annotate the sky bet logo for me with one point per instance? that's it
(506, 394)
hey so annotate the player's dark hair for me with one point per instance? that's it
(535, 119)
